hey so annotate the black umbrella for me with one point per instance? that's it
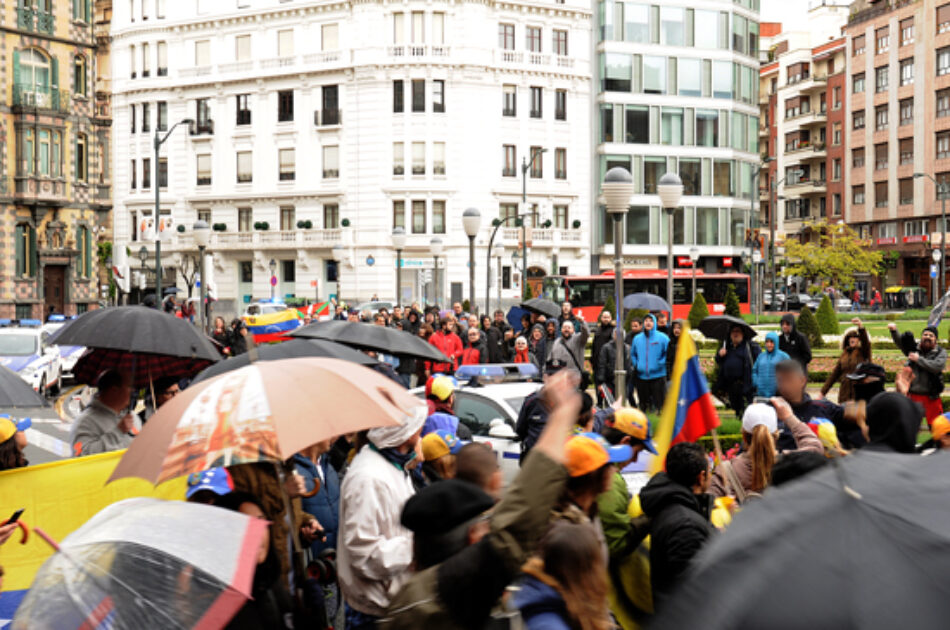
(541, 306)
(288, 350)
(16, 393)
(719, 327)
(371, 337)
(647, 302)
(865, 546)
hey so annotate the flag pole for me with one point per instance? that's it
(717, 447)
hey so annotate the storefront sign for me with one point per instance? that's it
(727, 261)
(684, 261)
(890, 240)
(919, 238)
(630, 262)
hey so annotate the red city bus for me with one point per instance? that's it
(588, 294)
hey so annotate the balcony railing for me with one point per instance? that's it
(41, 98)
(30, 19)
(275, 239)
(327, 117)
(202, 128)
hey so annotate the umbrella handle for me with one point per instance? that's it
(49, 540)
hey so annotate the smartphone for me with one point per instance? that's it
(763, 400)
(15, 517)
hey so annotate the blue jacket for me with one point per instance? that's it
(763, 372)
(648, 353)
(542, 607)
(325, 505)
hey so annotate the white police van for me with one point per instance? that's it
(68, 355)
(25, 350)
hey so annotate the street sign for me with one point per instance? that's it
(273, 281)
(313, 284)
(933, 271)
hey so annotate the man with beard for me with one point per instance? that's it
(927, 363)
(604, 335)
(449, 344)
(568, 349)
(855, 349)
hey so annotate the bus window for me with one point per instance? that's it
(714, 289)
(553, 289)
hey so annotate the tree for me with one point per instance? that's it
(808, 326)
(638, 313)
(827, 320)
(699, 311)
(466, 306)
(732, 302)
(189, 269)
(610, 307)
(834, 254)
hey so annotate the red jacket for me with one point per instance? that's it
(471, 356)
(451, 346)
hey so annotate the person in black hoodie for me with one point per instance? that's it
(735, 360)
(676, 329)
(607, 365)
(498, 337)
(893, 421)
(603, 336)
(679, 508)
(794, 343)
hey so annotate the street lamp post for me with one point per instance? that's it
(497, 223)
(938, 258)
(202, 235)
(670, 189)
(399, 243)
(694, 259)
(942, 190)
(617, 189)
(526, 165)
(436, 246)
(471, 221)
(336, 252)
(273, 277)
(157, 142)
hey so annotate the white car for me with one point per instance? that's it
(25, 350)
(264, 308)
(68, 355)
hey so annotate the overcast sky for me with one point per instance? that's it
(791, 13)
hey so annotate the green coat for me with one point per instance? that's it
(461, 592)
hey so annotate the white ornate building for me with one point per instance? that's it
(326, 123)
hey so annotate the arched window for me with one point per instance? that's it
(34, 70)
(79, 75)
(34, 74)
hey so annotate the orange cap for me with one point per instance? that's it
(586, 452)
(940, 427)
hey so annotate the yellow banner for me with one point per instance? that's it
(59, 497)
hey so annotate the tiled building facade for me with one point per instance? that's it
(55, 194)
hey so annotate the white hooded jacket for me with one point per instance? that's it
(374, 549)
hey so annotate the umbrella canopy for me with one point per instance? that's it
(939, 310)
(171, 291)
(647, 302)
(872, 553)
(147, 563)
(515, 313)
(293, 349)
(542, 306)
(719, 327)
(142, 368)
(16, 393)
(266, 411)
(370, 337)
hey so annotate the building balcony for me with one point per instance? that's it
(34, 97)
(764, 131)
(543, 237)
(201, 128)
(327, 118)
(30, 19)
(805, 119)
(531, 59)
(257, 239)
(810, 151)
(40, 189)
(416, 51)
(806, 187)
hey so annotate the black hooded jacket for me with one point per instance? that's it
(794, 344)
(679, 528)
(604, 335)
(893, 422)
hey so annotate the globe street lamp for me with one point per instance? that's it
(694, 259)
(435, 246)
(617, 190)
(336, 252)
(273, 277)
(471, 221)
(670, 189)
(201, 232)
(399, 243)
(942, 190)
(157, 143)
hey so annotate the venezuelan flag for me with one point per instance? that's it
(688, 412)
(273, 326)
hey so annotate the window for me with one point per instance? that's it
(245, 168)
(690, 76)
(146, 173)
(533, 39)
(857, 157)
(506, 36)
(285, 106)
(654, 75)
(287, 220)
(943, 18)
(438, 28)
(438, 158)
(907, 71)
(204, 169)
(707, 226)
(418, 217)
(162, 53)
(671, 126)
(882, 38)
(146, 117)
(857, 83)
(560, 105)
(691, 175)
(905, 188)
(880, 117)
(857, 194)
(509, 160)
(399, 213)
(537, 162)
(163, 172)
(82, 156)
(907, 111)
(132, 110)
(722, 79)
(943, 103)
(133, 172)
(286, 168)
(418, 95)
(162, 108)
(438, 96)
(79, 76)
(202, 53)
(331, 216)
(146, 61)
(881, 79)
(399, 97)
(917, 227)
(132, 61)
(331, 162)
(943, 61)
(25, 250)
(560, 163)
(81, 9)
(722, 178)
(907, 150)
(561, 217)
(399, 158)
(399, 28)
(880, 156)
(836, 98)
(880, 194)
(836, 204)
(672, 26)
(536, 97)
(242, 47)
(858, 118)
(653, 169)
(560, 42)
(707, 127)
(418, 27)
(857, 45)
(509, 106)
(244, 219)
(438, 217)
(285, 43)
(418, 158)
(618, 69)
(243, 109)
(203, 108)
(907, 31)
(943, 145)
(836, 134)
(836, 169)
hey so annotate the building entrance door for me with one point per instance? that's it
(54, 289)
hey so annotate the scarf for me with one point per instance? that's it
(521, 356)
(394, 457)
